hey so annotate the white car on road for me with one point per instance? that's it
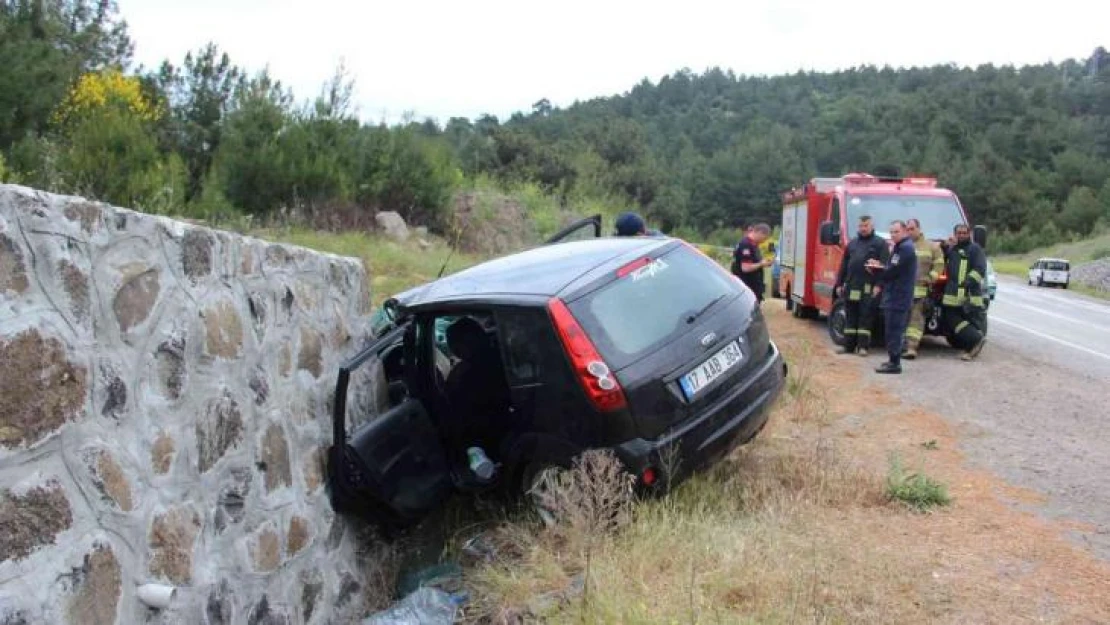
(1050, 271)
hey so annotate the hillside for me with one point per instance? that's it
(713, 149)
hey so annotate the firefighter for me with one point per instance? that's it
(930, 262)
(860, 282)
(963, 303)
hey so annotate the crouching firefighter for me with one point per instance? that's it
(859, 282)
(930, 262)
(964, 312)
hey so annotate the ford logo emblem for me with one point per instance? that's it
(708, 339)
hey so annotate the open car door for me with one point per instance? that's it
(392, 470)
(588, 228)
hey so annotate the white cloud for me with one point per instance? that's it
(444, 58)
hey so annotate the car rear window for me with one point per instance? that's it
(644, 309)
(1056, 266)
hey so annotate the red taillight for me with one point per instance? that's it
(648, 476)
(599, 382)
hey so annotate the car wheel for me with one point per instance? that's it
(838, 320)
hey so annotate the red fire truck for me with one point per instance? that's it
(820, 218)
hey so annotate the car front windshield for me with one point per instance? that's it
(937, 214)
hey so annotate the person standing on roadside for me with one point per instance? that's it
(963, 294)
(859, 304)
(897, 278)
(930, 262)
(747, 261)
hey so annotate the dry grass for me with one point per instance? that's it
(799, 527)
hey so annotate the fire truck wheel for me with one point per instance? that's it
(838, 319)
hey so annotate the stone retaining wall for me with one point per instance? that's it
(164, 394)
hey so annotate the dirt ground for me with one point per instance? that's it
(1007, 446)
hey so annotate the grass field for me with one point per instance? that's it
(392, 266)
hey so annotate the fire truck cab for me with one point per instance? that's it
(820, 218)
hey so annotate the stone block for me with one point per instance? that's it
(40, 389)
(314, 467)
(223, 331)
(260, 386)
(265, 614)
(85, 213)
(298, 535)
(13, 273)
(172, 536)
(310, 357)
(219, 428)
(110, 479)
(312, 587)
(170, 365)
(136, 298)
(196, 254)
(161, 454)
(285, 361)
(232, 502)
(32, 519)
(76, 285)
(99, 582)
(220, 607)
(266, 550)
(274, 457)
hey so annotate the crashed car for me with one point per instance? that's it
(639, 345)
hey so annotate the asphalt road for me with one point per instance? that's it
(1053, 325)
(1034, 407)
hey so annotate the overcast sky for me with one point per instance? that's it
(458, 58)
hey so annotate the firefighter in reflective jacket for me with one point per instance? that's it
(963, 303)
(859, 302)
(930, 262)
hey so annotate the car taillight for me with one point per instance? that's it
(599, 382)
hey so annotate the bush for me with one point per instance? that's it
(915, 489)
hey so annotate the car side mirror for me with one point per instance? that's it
(830, 233)
(979, 235)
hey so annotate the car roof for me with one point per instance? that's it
(539, 272)
(1051, 260)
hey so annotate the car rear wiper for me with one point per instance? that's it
(694, 317)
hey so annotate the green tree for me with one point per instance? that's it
(199, 94)
(44, 46)
(1080, 212)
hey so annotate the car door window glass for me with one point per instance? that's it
(519, 332)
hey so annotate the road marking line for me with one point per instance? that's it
(1042, 311)
(1092, 352)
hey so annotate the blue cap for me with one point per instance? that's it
(630, 225)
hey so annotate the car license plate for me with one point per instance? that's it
(711, 369)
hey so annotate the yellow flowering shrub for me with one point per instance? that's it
(96, 91)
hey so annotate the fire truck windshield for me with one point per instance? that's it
(938, 215)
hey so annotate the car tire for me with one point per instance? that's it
(838, 319)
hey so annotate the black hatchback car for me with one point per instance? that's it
(640, 345)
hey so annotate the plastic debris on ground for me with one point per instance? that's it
(426, 606)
